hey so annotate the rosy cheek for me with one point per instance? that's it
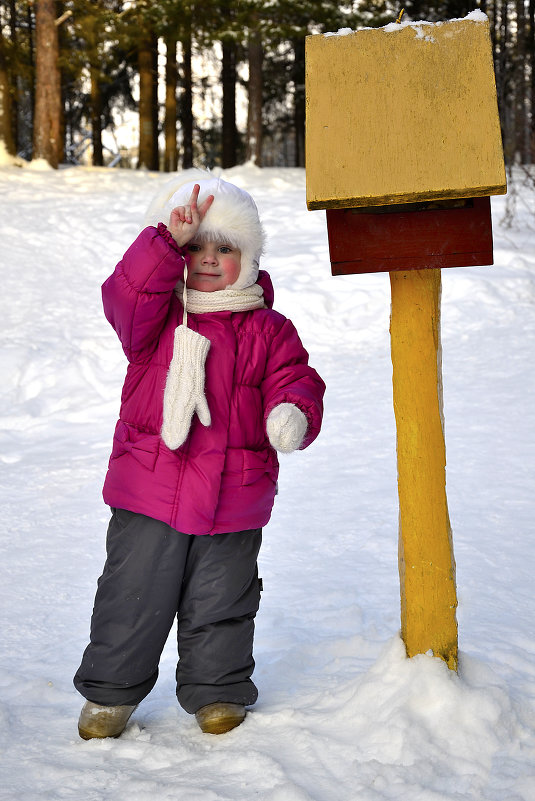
(235, 271)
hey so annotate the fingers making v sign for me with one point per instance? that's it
(185, 220)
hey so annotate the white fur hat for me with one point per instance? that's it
(232, 217)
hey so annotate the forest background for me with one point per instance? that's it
(211, 83)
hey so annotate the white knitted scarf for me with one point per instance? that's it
(184, 387)
(221, 300)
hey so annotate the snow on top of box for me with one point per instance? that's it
(392, 27)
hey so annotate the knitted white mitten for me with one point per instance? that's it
(184, 388)
(286, 427)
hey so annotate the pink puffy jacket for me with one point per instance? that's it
(224, 477)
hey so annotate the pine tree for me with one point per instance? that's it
(291, 23)
(47, 143)
(147, 134)
(174, 27)
(6, 107)
(186, 101)
(255, 56)
(96, 74)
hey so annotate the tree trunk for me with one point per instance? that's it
(254, 112)
(13, 78)
(520, 86)
(95, 75)
(155, 105)
(63, 47)
(170, 157)
(186, 102)
(146, 129)
(502, 84)
(96, 118)
(31, 27)
(531, 51)
(47, 139)
(228, 80)
(299, 100)
(6, 126)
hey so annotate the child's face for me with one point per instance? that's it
(213, 265)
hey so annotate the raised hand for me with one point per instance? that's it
(184, 221)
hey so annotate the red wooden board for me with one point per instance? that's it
(414, 237)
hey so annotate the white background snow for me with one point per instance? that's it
(342, 714)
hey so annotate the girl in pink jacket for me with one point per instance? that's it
(217, 382)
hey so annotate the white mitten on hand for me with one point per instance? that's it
(286, 427)
(184, 388)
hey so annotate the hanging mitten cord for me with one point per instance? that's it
(184, 388)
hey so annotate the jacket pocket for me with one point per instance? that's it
(245, 467)
(143, 447)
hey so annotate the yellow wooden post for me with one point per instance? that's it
(426, 562)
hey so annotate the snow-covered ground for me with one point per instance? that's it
(342, 714)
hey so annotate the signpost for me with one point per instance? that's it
(403, 151)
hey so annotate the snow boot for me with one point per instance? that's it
(220, 717)
(103, 721)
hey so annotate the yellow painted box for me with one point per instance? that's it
(402, 114)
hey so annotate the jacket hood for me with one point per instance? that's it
(265, 282)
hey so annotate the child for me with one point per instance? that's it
(216, 383)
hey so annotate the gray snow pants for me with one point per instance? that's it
(153, 574)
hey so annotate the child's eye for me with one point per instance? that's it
(193, 248)
(224, 249)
